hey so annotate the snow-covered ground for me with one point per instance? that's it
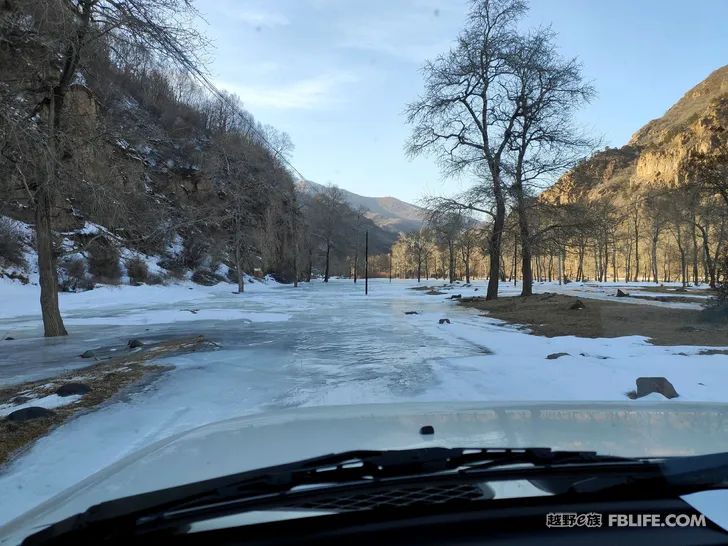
(319, 344)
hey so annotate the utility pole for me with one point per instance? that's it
(366, 263)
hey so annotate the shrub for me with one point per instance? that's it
(74, 276)
(194, 252)
(205, 277)
(137, 270)
(153, 278)
(11, 243)
(175, 267)
(103, 262)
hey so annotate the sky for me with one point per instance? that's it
(336, 75)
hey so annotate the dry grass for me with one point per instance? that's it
(107, 379)
(549, 315)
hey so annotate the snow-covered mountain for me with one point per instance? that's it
(388, 213)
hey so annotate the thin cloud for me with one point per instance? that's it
(306, 94)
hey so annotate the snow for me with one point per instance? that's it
(49, 402)
(319, 344)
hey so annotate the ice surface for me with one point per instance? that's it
(319, 344)
(49, 402)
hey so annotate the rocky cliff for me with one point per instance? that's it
(660, 153)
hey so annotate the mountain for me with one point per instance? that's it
(388, 213)
(660, 153)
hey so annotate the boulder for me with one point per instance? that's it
(20, 400)
(134, 344)
(554, 356)
(88, 354)
(456, 296)
(9, 338)
(444, 321)
(577, 305)
(71, 389)
(411, 313)
(475, 289)
(621, 294)
(26, 414)
(648, 385)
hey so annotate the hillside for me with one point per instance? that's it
(388, 213)
(658, 154)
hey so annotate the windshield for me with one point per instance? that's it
(502, 222)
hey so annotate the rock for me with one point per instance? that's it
(621, 294)
(26, 414)
(9, 338)
(554, 356)
(134, 344)
(577, 305)
(647, 385)
(88, 354)
(475, 289)
(444, 321)
(71, 389)
(456, 296)
(434, 293)
(20, 400)
(411, 313)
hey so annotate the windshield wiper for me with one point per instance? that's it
(279, 486)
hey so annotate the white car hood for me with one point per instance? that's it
(641, 428)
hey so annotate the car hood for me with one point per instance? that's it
(642, 428)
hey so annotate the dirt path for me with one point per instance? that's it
(551, 315)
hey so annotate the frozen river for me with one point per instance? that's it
(281, 347)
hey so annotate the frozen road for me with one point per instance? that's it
(315, 345)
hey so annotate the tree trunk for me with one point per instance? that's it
(48, 277)
(295, 265)
(696, 280)
(309, 272)
(709, 264)
(636, 252)
(328, 254)
(655, 237)
(526, 267)
(451, 264)
(494, 246)
(356, 264)
(241, 279)
(52, 321)
(526, 251)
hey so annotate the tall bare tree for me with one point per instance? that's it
(328, 215)
(544, 91)
(464, 117)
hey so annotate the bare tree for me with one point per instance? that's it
(463, 116)
(60, 36)
(544, 91)
(327, 216)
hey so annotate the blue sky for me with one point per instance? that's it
(337, 74)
